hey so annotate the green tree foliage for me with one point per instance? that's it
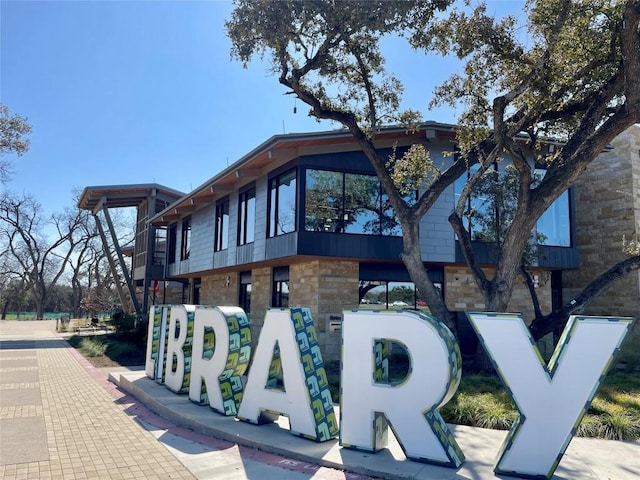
(13, 296)
(569, 72)
(13, 132)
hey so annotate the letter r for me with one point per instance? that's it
(410, 407)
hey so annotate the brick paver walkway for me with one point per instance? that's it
(57, 422)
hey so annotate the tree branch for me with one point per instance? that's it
(543, 325)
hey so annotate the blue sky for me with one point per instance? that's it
(126, 92)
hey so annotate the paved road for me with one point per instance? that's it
(61, 418)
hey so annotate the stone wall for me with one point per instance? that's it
(607, 207)
(462, 294)
(261, 287)
(327, 287)
(219, 289)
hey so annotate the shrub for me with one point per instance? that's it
(124, 322)
(93, 347)
(614, 425)
(486, 410)
(629, 358)
(127, 327)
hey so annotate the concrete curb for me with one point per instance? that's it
(188, 414)
(584, 459)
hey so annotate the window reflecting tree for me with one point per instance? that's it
(282, 204)
(347, 203)
(323, 200)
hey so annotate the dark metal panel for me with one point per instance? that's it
(340, 161)
(558, 257)
(157, 271)
(486, 253)
(355, 161)
(548, 257)
(351, 246)
(396, 272)
(281, 246)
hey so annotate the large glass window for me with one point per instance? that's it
(389, 224)
(246, 216)
(479, 216)
(221, 241)
(362, 204)
(323, 201)
(160, 245)
(347, 203)
(492, 203)
(185, 246)
(554, 226)
(282, 204)
(393, 295)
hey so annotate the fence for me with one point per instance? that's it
(32, 315)
(51, 315)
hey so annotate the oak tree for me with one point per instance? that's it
(13, 132)
(569, 74)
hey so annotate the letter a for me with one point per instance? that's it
(305, 398)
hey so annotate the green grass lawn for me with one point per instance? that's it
(481, 401)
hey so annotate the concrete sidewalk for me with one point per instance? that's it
(57, 422)
(60, 418)
(584, 459)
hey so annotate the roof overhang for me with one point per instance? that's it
(280, 149)
(120, 196)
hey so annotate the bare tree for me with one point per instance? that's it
(38, 262)
(88, 254)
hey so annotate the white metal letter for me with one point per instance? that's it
(551, 399)
(307, 419)
(410, 407)
(219, 365)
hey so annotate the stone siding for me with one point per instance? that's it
(327, 287)
(462, 294)
(219, 289)
(261, 287)
(608, 207)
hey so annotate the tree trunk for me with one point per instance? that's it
(482, 362)
(40, 298)
(412, 259)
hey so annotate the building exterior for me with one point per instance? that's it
(607, 208)
(147, 254)
(301, 220)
